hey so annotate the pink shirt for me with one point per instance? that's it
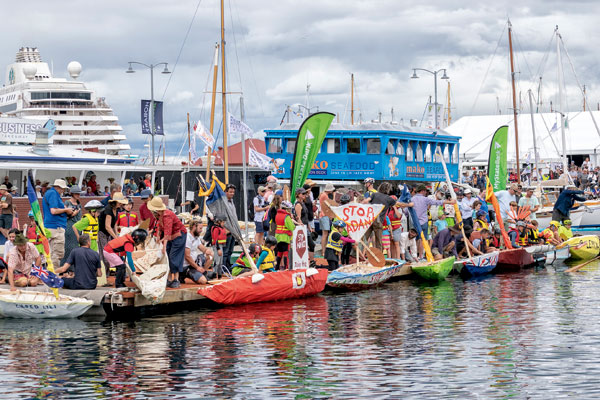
(22, 264)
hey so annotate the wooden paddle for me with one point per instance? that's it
(578, 267)
(374, 255)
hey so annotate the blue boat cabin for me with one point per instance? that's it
(368, 151)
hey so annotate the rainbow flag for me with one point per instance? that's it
(39, 220)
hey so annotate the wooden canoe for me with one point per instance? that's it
(513, 260)
(480, 265)
(435, 270)
(361, 276)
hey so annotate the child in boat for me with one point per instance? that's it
(266, 259)
(126, 218)
(218, 233)
(441, 223)
(550, 234)
(242, 266)
(564, 231)
(480, 221)
(335, 243)
(496, 240)
(533, 234)
(476, 209)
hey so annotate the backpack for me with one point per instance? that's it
(251, 212)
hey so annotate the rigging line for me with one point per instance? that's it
(181, 49)
(237, 59)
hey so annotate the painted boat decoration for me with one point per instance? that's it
(583, 247)
(280, 285)
(361, 276)
(434, 271)
(514, 259)
(30, 304)
(480, 265)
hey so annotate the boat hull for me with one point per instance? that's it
(513, 260)
(353, 277)
(584, 247)
(480, 265)
(280, 285)
(434, 271)
(41, 305)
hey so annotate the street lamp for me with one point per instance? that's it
(130, 70)
(434, 73)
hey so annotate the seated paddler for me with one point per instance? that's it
(242, 266)
(266, 261)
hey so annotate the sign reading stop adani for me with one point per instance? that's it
(358, 217)
(299, 248)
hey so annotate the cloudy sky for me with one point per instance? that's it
(275, 48)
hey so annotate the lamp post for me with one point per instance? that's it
(434, 73)
(130, 70)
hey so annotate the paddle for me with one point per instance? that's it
(374, 255)
(578, 267)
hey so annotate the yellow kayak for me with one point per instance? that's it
(583, 247)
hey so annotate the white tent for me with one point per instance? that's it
(582, 138)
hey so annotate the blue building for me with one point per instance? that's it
(375, 150)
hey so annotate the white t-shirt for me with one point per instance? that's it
(407, 244)
(504, 199)
(259, 201)
(532, 202)
(8, 246)
(192, 242)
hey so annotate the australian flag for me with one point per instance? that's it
(49, 278)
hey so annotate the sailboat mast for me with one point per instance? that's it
(189, 141)
(535, 152)
(224, 94)
(560, 104)
(514, 98)
(212, 107)
(352, 99)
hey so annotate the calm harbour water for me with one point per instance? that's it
(534, 334)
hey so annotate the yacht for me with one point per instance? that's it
(83, 120)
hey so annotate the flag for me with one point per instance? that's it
(554, 128)
(49, 278)
(149, 126)
(203, 134)
(310, 137)
(256, 159)
(237, 126)
(39, 220)
(490, 197)
(497, 170)
(217, 203)
(193, 153)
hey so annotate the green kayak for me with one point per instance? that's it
(434, 271)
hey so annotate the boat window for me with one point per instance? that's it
(333, 146)
(400, 148)
(390, 148)
(419, 155)
(374, 146)
(353, 146)
(409, 152)
(438, 151)
(291, 146)
(275, 145)
(429, 149)
(454, 156)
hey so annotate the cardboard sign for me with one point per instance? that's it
(358, 217)
(299, 248)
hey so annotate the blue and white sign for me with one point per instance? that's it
(158, 118)
(18, 130)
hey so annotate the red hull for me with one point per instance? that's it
(513, 260)
(275, 286)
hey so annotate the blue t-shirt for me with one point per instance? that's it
(52, 200)
(86, 263)
(441, 224)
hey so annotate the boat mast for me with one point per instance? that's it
(212, 107)
(535, 152)
(560, 104)
(352, 99)
(189, 142)
(224, 94)
(514, 98)
(244, 170)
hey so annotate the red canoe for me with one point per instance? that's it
(280, 285)
(513, 260)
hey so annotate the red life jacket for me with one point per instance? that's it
(120, 245)
(280, 222)
(127, 219)
(394, 220)
(219, 235)
(32, 234)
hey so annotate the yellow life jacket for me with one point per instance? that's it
(335, 245)
(92, 228)
(484, 224)
(565, 233)
(269, 261)
(548, 235)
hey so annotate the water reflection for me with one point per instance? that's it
(532, 334)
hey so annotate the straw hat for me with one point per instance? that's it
(310, 182)
(329, 187)
(119, 198)
(156, 204)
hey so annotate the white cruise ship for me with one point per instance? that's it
(83, 120)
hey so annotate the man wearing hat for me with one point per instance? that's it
(260, 206)
(6, 215)
(55, 219)
(529, 200)
(20, 260)
(173, 235)
(466, 207)
(324, 220)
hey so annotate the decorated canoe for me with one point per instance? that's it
(480, 265)
(514, 260)
(583, 247)
(435, 270)
(361, 275)
(31, 304)
(280, 285)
